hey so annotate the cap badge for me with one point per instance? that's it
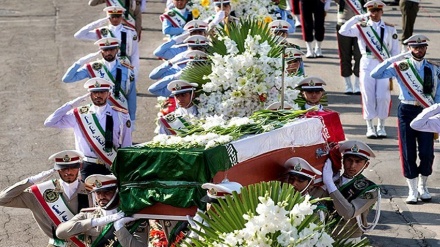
(311, 83)
(107, 43)
(280, 26)
(297, 167)
(97, 84)
(375, 5)
(196, 25)
(419, 40)
(178, 87)
(212, 191)
(66, 158)
(98, 184)
(355, 148)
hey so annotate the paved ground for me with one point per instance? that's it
(38, 46)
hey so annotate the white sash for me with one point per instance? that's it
(372, 40)
(98, 69)
(128, 20)
(413, 82)
(48, 195)
(355, 6)
(93, 133)
(173, 122)
(174, 16)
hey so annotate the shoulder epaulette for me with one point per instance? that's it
(433, 62)
(119, 109)
(389, 24)
(88, 210)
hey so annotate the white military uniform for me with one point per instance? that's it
(376, 97)
(102, 29)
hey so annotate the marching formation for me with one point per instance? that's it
(83, 206)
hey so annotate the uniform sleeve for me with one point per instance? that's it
(137, 239)
(395, 45)
(168, 28)
(159, 88)
(132, 97)
(428, 120)
(357, 206)
(349, 28)
(77, 225)
(76, 73)
(61, 118)
(88, 31)
(96, 2)
(125, 135)
(165, 50)
(383, 70)
(160, 71)
(134, 58)
(16, 196)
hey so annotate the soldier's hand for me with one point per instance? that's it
(399, 57)
(362, 17)
(102, 221)
(88, 58)
(327, 176)
(42, 176)
(218, 18)
(78, 101)
(181, 37)
(121, 222)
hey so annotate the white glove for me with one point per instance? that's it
(107, 219)
(175, 59)
(327, 176)
(78, 101)
(180, 38)
(98, 23)
(398, 57)
(362, 17)
(121, 222)
(88, 58)
(42, 176)
(327, 5)
(219, 16)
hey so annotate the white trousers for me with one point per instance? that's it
(376, 96)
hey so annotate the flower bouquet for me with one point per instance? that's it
(264, 214)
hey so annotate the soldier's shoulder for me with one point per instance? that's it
(389, 24)
(436, 63)
(119, 109)
(89, 210)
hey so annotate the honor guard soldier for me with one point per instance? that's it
(352, 193)
(294, 61)
(281, 13)
(223, 15)
(419, 88)
(184, 94)
(110, 68)
(348, 46)
(174, 65)
(280, 28)
(104, 225)
(381, 44)
(132, 17)
(175, 45)
(175, 18)
(111, 27)
(312, 90)
(159, 88)
(52, 201)
(99, 129)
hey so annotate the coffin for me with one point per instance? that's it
(162, 183)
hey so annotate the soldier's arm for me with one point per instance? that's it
(61, 118)
(77, 225)
(354, 208)
(349, 29)
(96, 2)
(88, 31)
(126, 128)
(16, 196)
(428, 120)
(134, 58)
(75, 73)
(159, 88)
(160, 70)
(168, 28)
(383, 70)
(132, 97)
(137, 239)
(163, 51)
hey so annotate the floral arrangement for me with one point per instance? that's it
(255, 9)
(216, 130)
(245, 74)
(265, 214)
(201, 9)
